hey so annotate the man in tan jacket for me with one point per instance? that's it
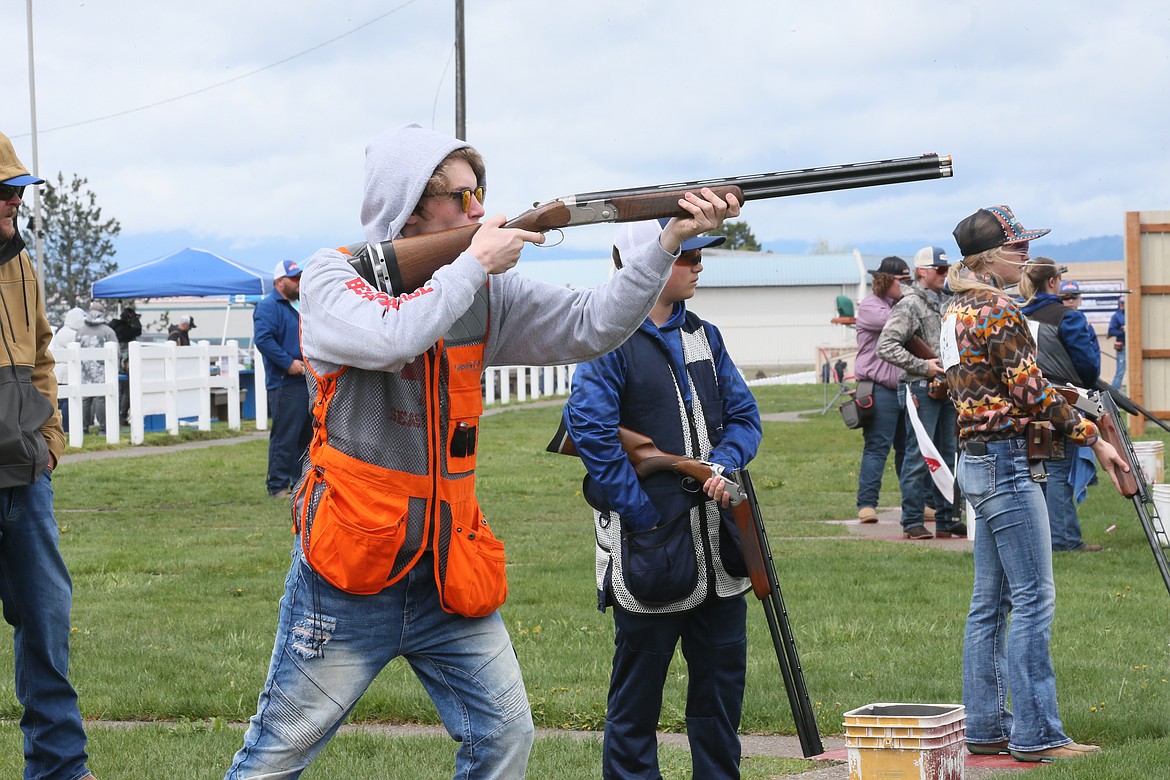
(36, 589)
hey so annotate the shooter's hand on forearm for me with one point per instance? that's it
(1110, 460)
(707, 212)
(716, 490)
(498, 248)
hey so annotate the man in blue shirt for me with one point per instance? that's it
(673, 381)
(277, 334)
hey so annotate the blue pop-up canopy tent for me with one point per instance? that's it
(188, 272)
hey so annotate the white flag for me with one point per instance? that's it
(940, 472)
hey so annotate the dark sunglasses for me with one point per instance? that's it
(464, 197)
(690, 258)
(8, 191)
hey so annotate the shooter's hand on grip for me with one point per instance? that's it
(498, 248)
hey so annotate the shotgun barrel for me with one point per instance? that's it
(403, 265)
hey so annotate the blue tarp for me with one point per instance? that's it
(188, 272)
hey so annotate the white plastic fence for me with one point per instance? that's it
(502, 384)
(75, 392)
(177, 382)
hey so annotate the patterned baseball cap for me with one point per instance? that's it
(991, 227)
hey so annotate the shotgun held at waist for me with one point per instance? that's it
(404, 264)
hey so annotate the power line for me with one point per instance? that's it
(224, 83)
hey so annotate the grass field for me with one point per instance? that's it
(178, 561)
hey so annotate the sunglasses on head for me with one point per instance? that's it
(9, 191)
(464, 196)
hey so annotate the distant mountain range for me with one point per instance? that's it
(1095, 249)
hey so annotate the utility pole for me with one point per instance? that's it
(460, 68)
(38, 230)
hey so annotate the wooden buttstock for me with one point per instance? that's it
(418, 257)
(644, 455)
(918, 347)
(1127, 480)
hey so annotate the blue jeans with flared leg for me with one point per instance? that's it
(331, 644)
(1013, 575)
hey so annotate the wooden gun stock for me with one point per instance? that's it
(643, 454)
(1107, 428)
(918, 347)
(749, 545)
(1127, 480)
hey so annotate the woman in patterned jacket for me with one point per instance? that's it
(997, 388)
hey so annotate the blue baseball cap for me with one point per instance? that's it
(698, 242)
(286, 268)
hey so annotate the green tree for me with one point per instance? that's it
(739, 236)
(77, 243)
(824, 248)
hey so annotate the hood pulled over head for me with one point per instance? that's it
(399, 163)
(75, 318)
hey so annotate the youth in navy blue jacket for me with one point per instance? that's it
(1067, 353)
(674, 382)
(277, 334)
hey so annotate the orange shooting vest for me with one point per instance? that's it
(365, 524)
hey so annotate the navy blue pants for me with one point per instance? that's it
(714, 643)
(292, 428)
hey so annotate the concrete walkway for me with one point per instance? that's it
(831, 765)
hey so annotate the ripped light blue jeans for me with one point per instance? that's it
(329, 647)
(1013, 574)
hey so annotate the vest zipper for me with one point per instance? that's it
(433, 419)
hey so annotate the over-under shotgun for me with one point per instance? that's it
(405, 264)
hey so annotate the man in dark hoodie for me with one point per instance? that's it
(393, 555)
(36, 589)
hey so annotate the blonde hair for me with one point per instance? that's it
(1037, 273)
(440, 183)
(974, 269)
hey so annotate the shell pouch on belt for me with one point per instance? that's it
(358, 528)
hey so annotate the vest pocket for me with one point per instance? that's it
(472, 579)
(355, 537)
(659, 565)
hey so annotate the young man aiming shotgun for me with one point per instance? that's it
(392, 555)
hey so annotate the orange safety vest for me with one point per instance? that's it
(402, 480)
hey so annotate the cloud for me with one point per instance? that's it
(1046, 106)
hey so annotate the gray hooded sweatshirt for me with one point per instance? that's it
(531, 322)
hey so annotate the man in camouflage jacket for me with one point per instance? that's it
(919, 313)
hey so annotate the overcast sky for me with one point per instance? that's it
(1058, 109)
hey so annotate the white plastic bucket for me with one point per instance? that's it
(1149, 455)
(1161, 496)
